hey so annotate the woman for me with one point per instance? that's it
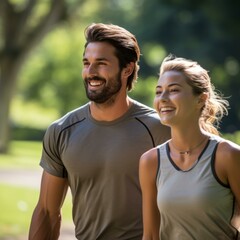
(191, 183)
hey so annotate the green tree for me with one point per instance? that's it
(206, 31)
(24, 23)
(52, 75)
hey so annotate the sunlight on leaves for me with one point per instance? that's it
(154, 53)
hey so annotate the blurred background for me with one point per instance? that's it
(41, 47)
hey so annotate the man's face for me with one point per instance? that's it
(101, 73)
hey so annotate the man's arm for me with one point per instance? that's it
(46, 219)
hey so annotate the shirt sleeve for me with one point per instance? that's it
(51, 158)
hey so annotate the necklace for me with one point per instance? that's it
(188, 152)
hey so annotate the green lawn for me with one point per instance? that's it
(16, 207)
(17, 203)
(22, 154)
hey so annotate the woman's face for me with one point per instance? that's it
(174, 100)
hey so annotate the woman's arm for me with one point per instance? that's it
(147, 175)
(228, 170)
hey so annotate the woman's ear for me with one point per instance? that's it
(202, 100)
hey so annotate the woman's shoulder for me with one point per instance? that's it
(228, 148)
(149, 159)
(227, 159)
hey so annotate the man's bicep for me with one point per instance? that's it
(53, 192)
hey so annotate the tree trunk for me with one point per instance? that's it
(8, 78)
(18, 40)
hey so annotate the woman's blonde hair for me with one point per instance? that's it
(197, 77)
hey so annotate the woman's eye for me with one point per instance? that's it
(174, 90)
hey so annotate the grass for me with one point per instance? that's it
(16, 207)
(17, 203)
(22, 154)
(31, 114)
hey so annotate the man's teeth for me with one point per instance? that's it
(95, 83)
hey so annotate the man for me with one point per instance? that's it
(95, 149)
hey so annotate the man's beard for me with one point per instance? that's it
(102, 96)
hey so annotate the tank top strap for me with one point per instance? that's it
(163, 161)
(208, 152)
(210, 147)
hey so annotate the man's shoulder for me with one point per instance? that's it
(143, 111)
(71, 118)
(150, 118)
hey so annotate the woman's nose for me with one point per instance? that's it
(163, 97)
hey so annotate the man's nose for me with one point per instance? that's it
(92, 69)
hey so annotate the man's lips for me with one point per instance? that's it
(95, 82)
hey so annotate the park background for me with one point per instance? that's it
(41, 47)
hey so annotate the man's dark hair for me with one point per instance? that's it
(124, 42)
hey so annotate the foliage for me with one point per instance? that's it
(23, 24)
(195, 31)
(31, 114)
(53, 73)
(144, 90)
(234, 137)
(206, 31)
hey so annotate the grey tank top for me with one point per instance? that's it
(194, 204)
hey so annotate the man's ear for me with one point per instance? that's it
(128, 70)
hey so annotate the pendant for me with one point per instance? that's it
(184, 152)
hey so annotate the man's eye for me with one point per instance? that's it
(85, 63)
(102, 63)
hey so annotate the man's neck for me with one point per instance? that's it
(110, 111)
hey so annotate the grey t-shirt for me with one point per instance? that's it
(100, 160)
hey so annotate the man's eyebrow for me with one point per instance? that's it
(98, 59)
